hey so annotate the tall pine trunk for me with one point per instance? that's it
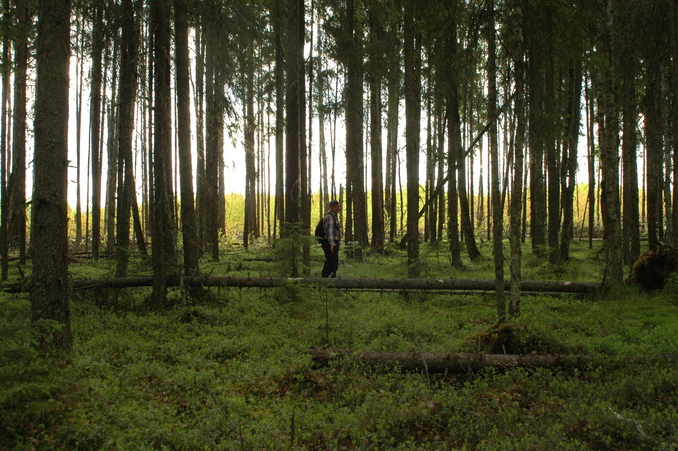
(189, 226)
(215, 127)
(250, 229)
(164, 233)
(569, 159)
(293, 127)
(376, 61)
(18, 195)
(630, 214)
(355, 158)
(95, 125)
(516, 207)
(50, 280)
(412, 128)
(128, 90)
(613, 275)
(497, 209)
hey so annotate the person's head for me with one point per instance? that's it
(335, 206)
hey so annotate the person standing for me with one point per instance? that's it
(332, 239)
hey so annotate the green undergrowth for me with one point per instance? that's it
(231, 369)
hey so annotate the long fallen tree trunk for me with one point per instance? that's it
(448, 363)
(462, 363)
(360, 283)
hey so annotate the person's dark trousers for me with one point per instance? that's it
(331, 260)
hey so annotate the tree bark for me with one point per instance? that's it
(655, 152)
(429, 362)
(50, 280)
(293, 128)
(376, 62)
(279, 214)
(201, 205)
(112, 154)
(630, 213)
(189, 227)
(95, 125)
(549, 133)
(613, 273)
(250, 225)
(355, 158)
(536, 86)
(412, 130)
(164, 234)
(591, 157)
(569, 160)
(128, 90)
(4, 148)
(497, 208)
(214, 136)
(465, 285)
(517, 189)
(18, 194)
(393, 88)
(673, 39)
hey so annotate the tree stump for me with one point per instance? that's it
(653, 268)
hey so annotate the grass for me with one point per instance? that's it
(232, 370)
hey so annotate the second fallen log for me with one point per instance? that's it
(456, 363)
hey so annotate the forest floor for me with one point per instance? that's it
(231, 370)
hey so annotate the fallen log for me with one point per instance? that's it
(463, 363)
(480, 285)
(459, 363)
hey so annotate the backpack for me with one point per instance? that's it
(319, 231)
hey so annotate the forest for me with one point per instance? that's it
(504, 168)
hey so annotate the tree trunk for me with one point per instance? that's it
(429, 362)
(4, 150)
(429, 181)
(164, 234)
(591, 165)
(128, 90)
(392, 152)
(440, 176)
(215, 124)
(454, 153)
(535, 86)
(18, 194)
(250, 229)
(355, 158)
(50, 280)
(549, 133)
(655, 152)
(277, 17)
(459, 285)
(293, 128)
(412, 128)
(517, 189)
(631, 215)
(77, 219)
(673, 17)
(376, 62)
(569, 160)
(305, 167)
(497, 208)
(112, 149)
(322, 144)
(200, 171)
(613, 274)
(95, 125)
(189, 227)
